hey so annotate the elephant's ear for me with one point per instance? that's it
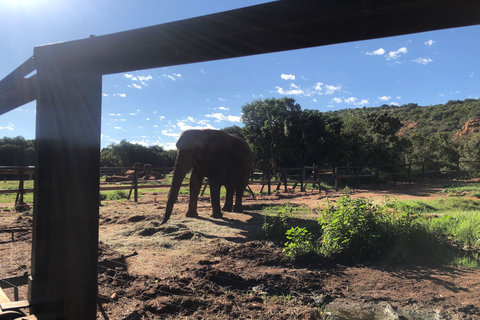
(192, 139)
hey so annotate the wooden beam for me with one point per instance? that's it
(65, 221)
(270, 27)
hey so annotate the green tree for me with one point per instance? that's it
(17, 151)
(268, 123)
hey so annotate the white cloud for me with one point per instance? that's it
(385, 98)
(429, 42)
(393, 55)
(471, 74)
(423, 61)
(287, 76)
(117, 128)
(221, 99)
(351, 100)
(223, 108)
(318, 86)
(294, 91)
(222, 117)
(331, 89)
(161, 117)
(123, 95)
(378, 52)
(394, 104)
(105, 95)
(135, 86)
(173, 76)
(170, 133)
(354, 101)
(337, 100)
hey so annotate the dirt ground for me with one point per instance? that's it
(207, 268)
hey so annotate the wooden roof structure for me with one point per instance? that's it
(67, 87)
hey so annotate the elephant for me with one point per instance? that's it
(225, 159)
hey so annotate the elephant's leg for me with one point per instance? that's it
(195, 185)
(215, 199)
(238, 198)
(229, 199)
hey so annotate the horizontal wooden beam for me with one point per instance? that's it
(270, 27)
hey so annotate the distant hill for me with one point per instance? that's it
(449, 118)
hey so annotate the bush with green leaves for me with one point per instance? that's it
(300, 243)
(359, 230)
(351, 227)
(275, 225)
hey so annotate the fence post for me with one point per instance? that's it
(377, 176)
(135, 185)
(423, 171)
(269, 184)
(285, 179)
(394, 176)
(458, 169)
(358, 176)
(409, 173)
(336, 175)
(302, 178)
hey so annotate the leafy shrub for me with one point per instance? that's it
(275, 225)
(300, 243)
(351, 228)
(359, 230)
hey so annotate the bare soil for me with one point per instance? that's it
(208, 268)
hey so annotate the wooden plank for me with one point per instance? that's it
(3, 297)
(14, 305)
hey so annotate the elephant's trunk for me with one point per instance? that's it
(178, 176)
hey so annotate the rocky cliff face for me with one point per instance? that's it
(470, 127)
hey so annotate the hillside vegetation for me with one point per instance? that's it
(282, 134)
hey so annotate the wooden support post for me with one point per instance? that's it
(65, 220)
(269, 177)
(409, 173)
(357, 173)
(394, 176)
(423, 171)
(285, 179)
(336, 174)
(135, 185)
(302, 179)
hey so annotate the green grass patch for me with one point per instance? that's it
(439, 206)
(113, 195)
(463, 189)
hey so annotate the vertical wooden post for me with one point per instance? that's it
(336, 174)
(302, 179)
(67, 174)
(357, 173)
(135, 185)
(458, 169)
(269, 177)
(409, 173)
(285, 179)
(423, 171)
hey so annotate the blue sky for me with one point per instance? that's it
(152, 107)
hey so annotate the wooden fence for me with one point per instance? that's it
(273, 179)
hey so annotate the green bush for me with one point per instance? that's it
(359, 230)
(350, 228)
(300, 243)
(275, 225)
